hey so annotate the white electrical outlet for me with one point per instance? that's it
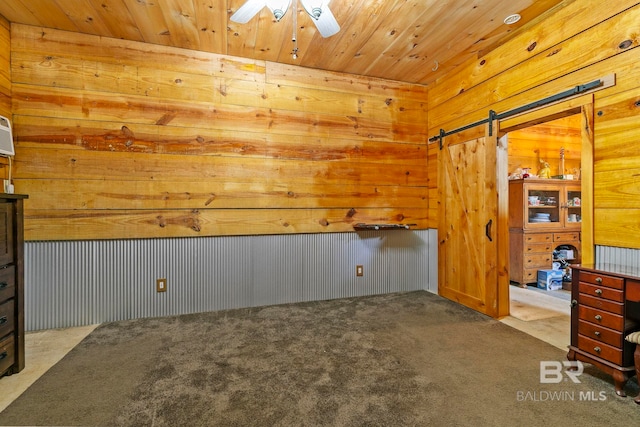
(8, 187)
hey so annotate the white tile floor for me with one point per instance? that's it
(44, 349)
(553, 324)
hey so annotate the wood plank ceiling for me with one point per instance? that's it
(414, 41)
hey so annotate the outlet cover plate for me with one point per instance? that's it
(161, 285)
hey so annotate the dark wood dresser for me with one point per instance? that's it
(605, 307)
(11, 284)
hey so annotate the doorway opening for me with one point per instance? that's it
(545, 222)
(545, 203)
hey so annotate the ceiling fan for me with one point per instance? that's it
(318, 10)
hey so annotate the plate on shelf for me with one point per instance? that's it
(541, 215)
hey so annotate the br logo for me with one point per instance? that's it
(554, 372)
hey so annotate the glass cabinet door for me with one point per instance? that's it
(543, 206)
(574, 207)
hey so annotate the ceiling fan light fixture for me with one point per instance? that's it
(512, 19)
(278, 8)
(313, 7)
(316, 12)
(319, 11)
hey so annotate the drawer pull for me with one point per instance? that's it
(598, 292)
(597, 333)
(3, 285)
(3, 355)
(3, 320)
(598, 279)
(597, 349)
(598, 317)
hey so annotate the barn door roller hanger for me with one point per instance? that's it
(577, 90)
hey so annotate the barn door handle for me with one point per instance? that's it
(487, 230)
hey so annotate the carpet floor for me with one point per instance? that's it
(406, 359)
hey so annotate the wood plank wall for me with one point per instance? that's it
(5, 81)
(579, 42)
(5, 68)
(119, 139)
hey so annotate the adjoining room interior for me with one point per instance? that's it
(546, 151)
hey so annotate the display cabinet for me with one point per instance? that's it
(537, 204)
(544, 215)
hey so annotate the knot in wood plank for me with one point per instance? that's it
(625, 44)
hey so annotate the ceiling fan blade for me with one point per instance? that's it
(321, 16)
(248, 11)
(327, 24)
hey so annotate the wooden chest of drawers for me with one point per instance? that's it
(11, 285)
(600, 320)
(533, 251)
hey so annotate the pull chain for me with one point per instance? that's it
(294, 37)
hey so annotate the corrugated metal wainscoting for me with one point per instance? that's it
(619, 256)
(74, 283)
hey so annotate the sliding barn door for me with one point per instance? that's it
(471, 230)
